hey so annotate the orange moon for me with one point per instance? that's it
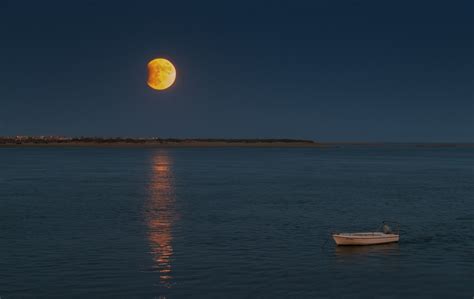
(161, 74)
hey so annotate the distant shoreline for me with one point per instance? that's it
(58, 141)
(221, 143)
(164, 144)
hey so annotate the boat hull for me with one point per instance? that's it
(365, 238)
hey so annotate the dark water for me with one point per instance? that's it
(230, 222)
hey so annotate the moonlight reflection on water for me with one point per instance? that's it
(160, 215)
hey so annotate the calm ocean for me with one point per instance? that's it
(234, 222)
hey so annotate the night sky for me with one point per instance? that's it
(323, 70)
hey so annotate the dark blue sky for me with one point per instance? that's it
(323, 70)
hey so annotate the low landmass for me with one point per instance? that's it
(32, 141)
(151, 142)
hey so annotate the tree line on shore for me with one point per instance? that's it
(60, 139)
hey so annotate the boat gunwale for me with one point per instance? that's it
(373, 235)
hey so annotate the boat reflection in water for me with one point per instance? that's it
(368, 250)
(160, 215)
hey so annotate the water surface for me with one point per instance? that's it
(234, 222)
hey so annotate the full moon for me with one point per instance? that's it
(161, 74)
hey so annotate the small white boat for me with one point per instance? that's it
(368, 238)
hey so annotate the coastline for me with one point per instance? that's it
(161, 143)
(230, 144)
(164, 144)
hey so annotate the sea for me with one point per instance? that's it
(235, 222)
